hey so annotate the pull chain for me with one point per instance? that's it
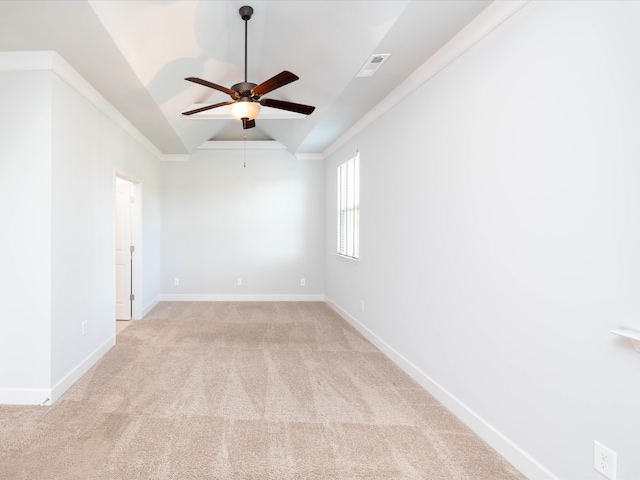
(245, 150)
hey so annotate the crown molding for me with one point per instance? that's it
(482, 25)
(309, 156)
(242, 145)
(170, 157)
(51, 60)
(34, 60)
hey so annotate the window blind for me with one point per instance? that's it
(349, 208)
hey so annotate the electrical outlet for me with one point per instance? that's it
(84, 328)
(604, 460)
(239, 281)
(176, 282)
(303, 282)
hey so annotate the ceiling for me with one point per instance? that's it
(137, 54)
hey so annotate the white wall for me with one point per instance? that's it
(25, 220)
(88, 148)
(61, 148)
(501, 232)
(262, 223)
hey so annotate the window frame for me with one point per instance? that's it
(348, 209)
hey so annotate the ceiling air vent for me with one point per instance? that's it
(373, 64)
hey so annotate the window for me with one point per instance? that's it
(349, 208)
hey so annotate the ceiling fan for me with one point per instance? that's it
(246, 95)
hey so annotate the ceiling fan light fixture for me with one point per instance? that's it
(245, 108)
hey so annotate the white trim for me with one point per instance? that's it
(150, 306)
(241, 145)
(25, 396)
(50, 60)
(47, 396)
(488, 20)
(346, 258)
(214, 297)
(309, 156)
(67, 73)
(136, 238)
(83, 367)
(175, 157)
(34, 60)
(505, 447)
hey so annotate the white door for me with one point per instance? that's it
(123, 250)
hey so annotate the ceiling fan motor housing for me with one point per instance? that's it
(245, 89)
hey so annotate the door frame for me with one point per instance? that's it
(136, 239)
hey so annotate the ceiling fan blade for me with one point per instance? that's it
(292, 107)
(206, 83)
(208, 107)
(246, 123)
(280, 80)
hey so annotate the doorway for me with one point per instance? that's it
(124, 251)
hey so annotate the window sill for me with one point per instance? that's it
(347, 259)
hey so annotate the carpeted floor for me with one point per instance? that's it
(243, 391)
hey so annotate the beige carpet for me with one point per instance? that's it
(243, 391)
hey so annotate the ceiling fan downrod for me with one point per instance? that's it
(245, 14)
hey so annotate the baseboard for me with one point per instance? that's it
(47, 396)
(150, 306)
(25, 396)
(499, 442)
(83, 367)
(206, 297)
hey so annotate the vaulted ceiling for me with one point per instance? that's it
(138, 53)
